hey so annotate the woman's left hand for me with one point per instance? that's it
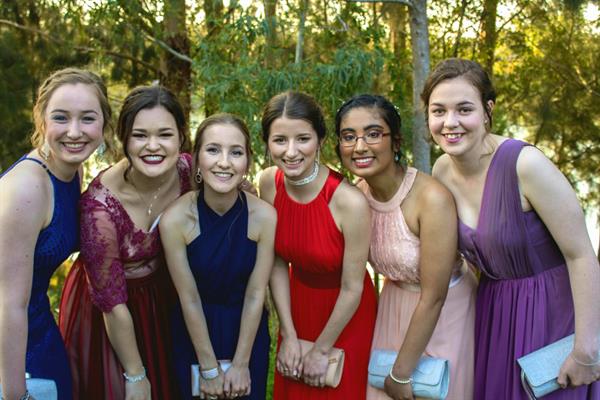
(574, 374)
(398, 391)
(237, 382)
(314, 367)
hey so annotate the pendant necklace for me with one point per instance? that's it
(152, 200)
(308, 179)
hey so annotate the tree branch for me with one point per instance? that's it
(168, 48)
(405, 2)
(82, 49)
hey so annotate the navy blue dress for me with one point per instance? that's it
(221, 259)
(46, 356)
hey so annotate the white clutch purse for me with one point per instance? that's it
(224, 364)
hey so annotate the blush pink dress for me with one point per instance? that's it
(394, 253)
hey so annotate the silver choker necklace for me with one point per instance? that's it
(308, 179)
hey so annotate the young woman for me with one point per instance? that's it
(521, 224)
(40, 226)
(414, 245)
(219, 246)
(324, 296)
(117, 297)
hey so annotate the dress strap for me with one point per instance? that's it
(279, 181)
(407, 183)
(27, 158)
(331, 184)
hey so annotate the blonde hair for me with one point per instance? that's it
(66, 76)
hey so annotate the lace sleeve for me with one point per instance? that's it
(100, 254)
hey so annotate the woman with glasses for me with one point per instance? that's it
(319, 284)
(427, 302)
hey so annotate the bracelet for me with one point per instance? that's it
(400, 381)
(209, 374)
(597, 362)
(135, 378)
(26, 396)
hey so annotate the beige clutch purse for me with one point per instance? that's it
(336, 363)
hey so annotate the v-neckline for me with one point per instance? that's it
(485, 189)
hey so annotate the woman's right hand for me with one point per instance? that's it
(212, 388)
(289, 358)
(138, 390)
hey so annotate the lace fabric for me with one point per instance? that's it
(111, 243)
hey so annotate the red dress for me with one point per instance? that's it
(99, 280)
(308, 238)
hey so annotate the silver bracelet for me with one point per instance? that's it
(400, 381)
(209, 374)
(135, 378)
(597, 362)
(26, 396)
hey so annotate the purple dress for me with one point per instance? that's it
(524, 298)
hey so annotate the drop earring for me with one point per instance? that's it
(44, 151)
(198, 177)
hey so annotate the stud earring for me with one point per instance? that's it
(198, 177)
(397, 157)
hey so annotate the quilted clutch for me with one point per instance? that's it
(539, 369)
(429, 379)
(40, 389)
(224, 364)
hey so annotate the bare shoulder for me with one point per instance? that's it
(441, 167)
(260, 209)
(531, 162)
(25, 194)
(27, 183)
(267, 184)
(178, 212)
(430, 193)
(349, 199)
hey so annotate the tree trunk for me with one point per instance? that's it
(419, 35)
(213, 11)
(598, 252)
(177, 73)
(301, 26)
(488, 19)
(397, 20)
(271, 39)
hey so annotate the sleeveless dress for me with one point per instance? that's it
(524, 300)
(98, 281)
(394, 253)
(308, 238)
(46, 356)
(222, 259)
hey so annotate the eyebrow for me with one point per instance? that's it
(462, 103)
(159, 130)
(366, 128)
(67, 112)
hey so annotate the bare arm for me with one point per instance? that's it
(108, 290)
(551, 196)
(438, 236)
(24, 199)
(173, 225)
(262, 222)
(289, 355)
(355, 216)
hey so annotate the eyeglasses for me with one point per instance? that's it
(370, 137)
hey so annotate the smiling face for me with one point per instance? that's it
(456, 116)
(73, 123)
(222, 158)
(154, 142)
(293, 145)
(362, 159)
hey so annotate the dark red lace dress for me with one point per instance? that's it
(98, 281)
(308, 238)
